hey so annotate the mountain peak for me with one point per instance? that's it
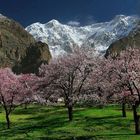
(62, 38)
(53, 22)
(120, 16)
(2, 16)
(125, 18)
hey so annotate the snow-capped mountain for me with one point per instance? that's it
(62, 38)
(2, 16)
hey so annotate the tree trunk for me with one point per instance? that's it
(8, 120)
(123, 110)
(70, 113)
(136, 120)
(25, 106)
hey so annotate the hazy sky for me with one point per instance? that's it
(76, 12)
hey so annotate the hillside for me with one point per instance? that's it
(16, 45)
(132, 40)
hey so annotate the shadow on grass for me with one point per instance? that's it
(113, 136)
(33, 110)
(102, 120)
(48, 119)
(44, 122)
(71, 138)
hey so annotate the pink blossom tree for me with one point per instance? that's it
(29, 89)
(9, 92)
(67, 76)
(124, 72)
(15, 90)
(95, 90)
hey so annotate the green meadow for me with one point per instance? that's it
(51, 123)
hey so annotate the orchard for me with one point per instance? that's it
(76, 79)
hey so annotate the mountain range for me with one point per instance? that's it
(25, 50)
(62, 38)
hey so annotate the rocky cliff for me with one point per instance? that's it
(18, 49)
(132, 40)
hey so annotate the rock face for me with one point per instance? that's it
(132, 40)
(18, 49)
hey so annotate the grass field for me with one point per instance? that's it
(51, 123)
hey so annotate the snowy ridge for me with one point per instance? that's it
(2, 16)
(62, 38)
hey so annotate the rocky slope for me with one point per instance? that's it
(17, 45)
(63, 38)
(132, 40)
